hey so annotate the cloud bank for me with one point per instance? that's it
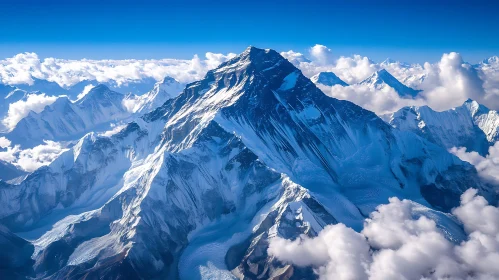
(23, 67)
(396, 244)
(445, 84)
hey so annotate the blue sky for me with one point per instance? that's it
(404, 30)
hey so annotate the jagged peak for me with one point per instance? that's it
(474, 107)
(380, 75)
(253, 54)
(168, 80)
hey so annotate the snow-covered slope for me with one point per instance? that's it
(381, 79)
(328, 79)
(196, 188)
(133, 87)
(162, 91)
(471, 125)
(64, 119)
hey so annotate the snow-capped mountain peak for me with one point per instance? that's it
(327, 79)
(383, 78)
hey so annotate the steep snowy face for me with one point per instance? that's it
(471, 125)
(487, 120)
(380, 79)
(328, 79)
(196, 188)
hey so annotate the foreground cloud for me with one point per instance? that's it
(397, 244)
(487, 167)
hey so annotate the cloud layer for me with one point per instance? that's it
(396, 243)
(23, 67)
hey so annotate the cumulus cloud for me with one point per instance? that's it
(22, 68)
(4, 142)
(321, 54)
(20, 109)
(32, 159)
(381, 101)
(398, 243)
(445, 84)
(487, 167)
(295, 57)
(10, 154)
(450, 82)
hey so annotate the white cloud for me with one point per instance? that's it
(445, 84)
(487, 167)
(20, 109)
(115, 129)
(22, 67)
(382, 101)
(10, 154)
(84, 92)
(450, 82)
(294, 57)
(32, 159)
(338, 252)
(321, 54)
(4, 142)
(399, 243)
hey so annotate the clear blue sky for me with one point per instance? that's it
(413, 31)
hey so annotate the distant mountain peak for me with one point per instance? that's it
(382, 78)
(328, 79)
(388, 61)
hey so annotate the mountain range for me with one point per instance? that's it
(68, 120)
(471, 125)
(379, 80)
(196, 188)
